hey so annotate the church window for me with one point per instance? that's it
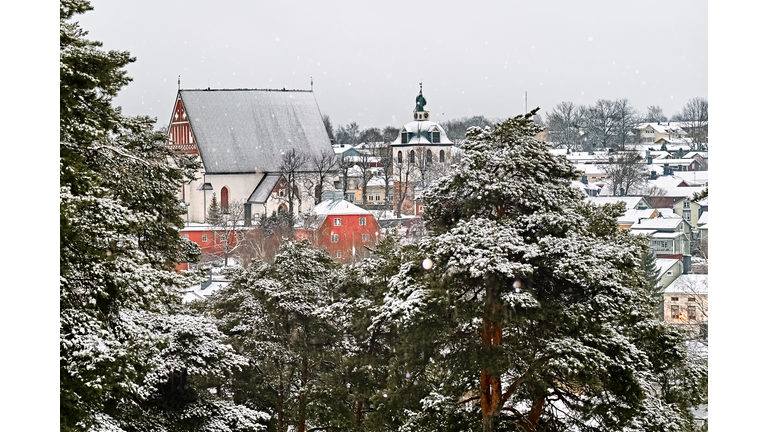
(442, 155)
(399, 157)
(412, 157)
(435, 137)
(429, 156)
(225, 199)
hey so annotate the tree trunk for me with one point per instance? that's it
(279, 406)
(359, 416)
(490, 380)
(302, 424)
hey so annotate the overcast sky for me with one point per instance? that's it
(367, 59)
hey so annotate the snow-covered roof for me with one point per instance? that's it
(632, 215)
(339, 207)
(693, 178)
(587, 168)
(664, 264)
(704, 201)
(331, 207)
(663, 162)
(248, 130)
(658, 223)
(195, 292)
(668, 213)
(264, 188)
(631, 201)
(703, 219)
(663, 127)
(667, 235)
(379, 182)
(689, 284)
(417, 132)
(690, 155)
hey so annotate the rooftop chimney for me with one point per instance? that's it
(686, 264)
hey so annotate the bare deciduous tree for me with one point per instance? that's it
(292, 166)
(563, 125)
(228, 230)
(386, 161)
(322, 166)
(626, 170)
(655, 114)
(694, 118)
(404, 166)
(626, 120)
(366, 160)
(599, 123)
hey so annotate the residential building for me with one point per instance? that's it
(346, 231)
(686, 302)
(670, 238)
(653, 133)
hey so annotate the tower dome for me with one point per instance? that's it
(419, 113)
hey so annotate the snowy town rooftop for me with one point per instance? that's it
(689, 284)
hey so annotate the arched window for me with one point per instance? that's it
(442, 155)
(399, 157)
(282, 209)
(225, 200)
(412, 157)
(429, 156)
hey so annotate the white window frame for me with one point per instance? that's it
(338, 254)
(205, 238)
(336, 221)
(185, 236)
(361, 221)
(334, 238)
(366, 237)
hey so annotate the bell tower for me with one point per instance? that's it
(419, 113)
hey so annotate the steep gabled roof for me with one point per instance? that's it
(247, 131)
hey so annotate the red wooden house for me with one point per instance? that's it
(345, 230)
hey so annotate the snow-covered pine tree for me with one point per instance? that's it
(534, 303)
(280, 316)
(125, 343)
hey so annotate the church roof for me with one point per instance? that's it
(247, 130)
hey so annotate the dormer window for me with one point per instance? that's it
(435, 137)
(404, 138)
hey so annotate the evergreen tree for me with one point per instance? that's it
(131, 358)
(278, 315)
(533, 304)
(213, 216)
